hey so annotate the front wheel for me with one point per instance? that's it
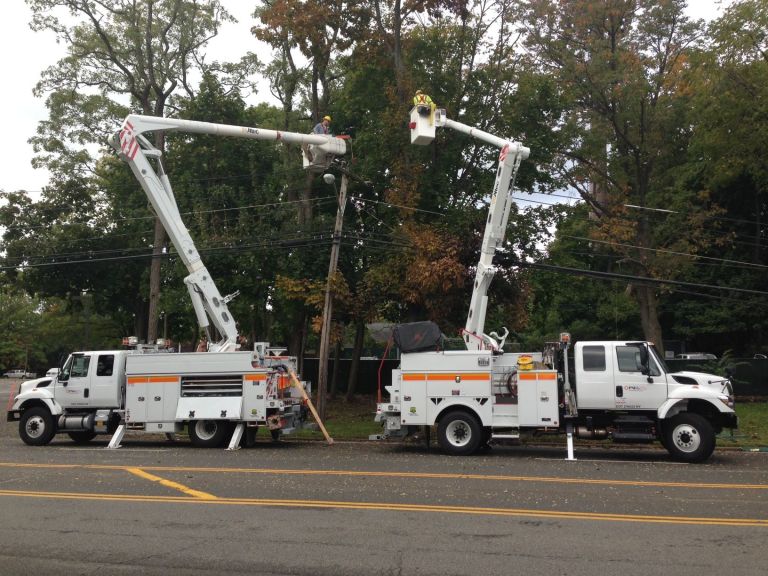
(36, 426)
(209, 433)
(689, 437)
(459, 433)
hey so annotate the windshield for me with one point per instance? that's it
(64, 372)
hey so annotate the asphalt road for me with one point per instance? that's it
(154, 507)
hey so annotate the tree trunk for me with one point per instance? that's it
(305, 206)
(154, 281)
(336, 363)
(354, 369)
(649, 316)
(159, 243)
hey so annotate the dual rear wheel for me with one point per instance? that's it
(460, 433)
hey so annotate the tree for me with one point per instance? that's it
(728, 112)
(144, 50)
(620, 67)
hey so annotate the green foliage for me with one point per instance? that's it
(626, 103)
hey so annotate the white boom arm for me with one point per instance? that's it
(136, 150)
(512, 153)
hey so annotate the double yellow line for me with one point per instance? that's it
(192, 496)
(416, 475)
(393, 507)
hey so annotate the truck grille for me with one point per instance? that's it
(217, 385)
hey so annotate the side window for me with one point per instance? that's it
(80, 366)
(628, 358)
(105, 364)
(593, 358)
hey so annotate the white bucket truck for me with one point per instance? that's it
(618, 390)
(217, 395)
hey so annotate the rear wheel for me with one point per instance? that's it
(81, 437)
(36, 426)
(689, 437)
(209, 433)
(249, 437)
(459, 433)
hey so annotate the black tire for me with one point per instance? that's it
(459, 433)
(689, 437)
(81, 437)
(36, 426)
(209, 433)
(249, 437)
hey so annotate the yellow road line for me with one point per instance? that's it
(170, 484)
(423, 475)
(398, 507)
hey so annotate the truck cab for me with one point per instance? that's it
(91, 379)
(82, 399)
(632, 376)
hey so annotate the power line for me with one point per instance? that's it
(661, 210)
(190, 213)
(634, 279)
(662, 251)
(391, 205)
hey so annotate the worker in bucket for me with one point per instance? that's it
(424, 105)
(323, 127)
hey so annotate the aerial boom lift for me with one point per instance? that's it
(512, 153)
(210, 306)
(618, 389)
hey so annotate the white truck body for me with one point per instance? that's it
(481, 395)
(216, 396)
(622, 390)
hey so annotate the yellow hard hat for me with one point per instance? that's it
(327, 118)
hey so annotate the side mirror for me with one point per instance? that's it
(641, 358)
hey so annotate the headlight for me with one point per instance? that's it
(727, 400)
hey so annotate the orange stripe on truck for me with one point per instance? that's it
(152, 379)
(445, 376)
(536, 375)
(454, 376)
(256, 377)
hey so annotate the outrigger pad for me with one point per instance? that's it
(417, 336)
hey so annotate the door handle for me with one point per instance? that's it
(619, 391)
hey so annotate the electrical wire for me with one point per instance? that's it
(662, 251)
(634, 279)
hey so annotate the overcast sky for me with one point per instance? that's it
(26, 54)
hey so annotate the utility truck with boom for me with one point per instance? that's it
(609, 389)
(219, 394)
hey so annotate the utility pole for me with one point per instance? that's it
(325, 333)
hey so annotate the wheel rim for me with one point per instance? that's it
(35, 427)
(206, 429)
(686, 438)
(458, 433)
